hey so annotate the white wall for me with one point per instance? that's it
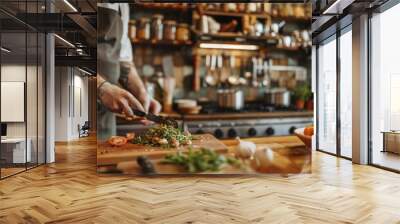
(71, 103)
(33, 127)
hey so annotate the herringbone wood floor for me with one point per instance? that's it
(70, 191)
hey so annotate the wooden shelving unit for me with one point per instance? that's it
(266, 44)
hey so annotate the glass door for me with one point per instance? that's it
(14, 153)
(22, 78)
(326, 108)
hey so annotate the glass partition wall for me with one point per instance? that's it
(334, 95)
(22, 77)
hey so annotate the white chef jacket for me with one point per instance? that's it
(126, 47)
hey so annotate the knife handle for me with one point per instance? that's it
(138, 113)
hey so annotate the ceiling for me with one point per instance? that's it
(336, 14)
(73, 20)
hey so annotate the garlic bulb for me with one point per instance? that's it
(163, 141)
(245, 149)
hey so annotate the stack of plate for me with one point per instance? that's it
(187, 106)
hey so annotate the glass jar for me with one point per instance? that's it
(132, 30)
(144, 29)
(157, 27)
(169, 30)
(183, 33)
(241, 7)
(251, 7)
(229, 7)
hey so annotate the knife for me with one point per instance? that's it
(156, 118)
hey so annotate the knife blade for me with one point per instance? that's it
(156, 118)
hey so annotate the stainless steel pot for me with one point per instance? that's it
(278, 97)
(230, 99)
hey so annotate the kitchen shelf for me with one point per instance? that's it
(237, 37)
(162, 43)
(258, 15)
(164, 6)
(233, 14)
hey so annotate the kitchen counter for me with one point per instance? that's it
(230, 125)
(289, 140)
(242, 115)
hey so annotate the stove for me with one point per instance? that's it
(255, 106)
(249, 127)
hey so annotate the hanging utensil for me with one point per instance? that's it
(210, 77)
(267, 79)
(219, 70)
(234, 77)
(254, 81)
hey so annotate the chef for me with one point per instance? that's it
(119, 87)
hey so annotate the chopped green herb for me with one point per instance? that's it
(195, 161)
(164, 136)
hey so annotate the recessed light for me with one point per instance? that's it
(84, 71)
(5, 50)
(64, 40)
(70, 6)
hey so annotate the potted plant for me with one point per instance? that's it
(310, 103)
(302, 93)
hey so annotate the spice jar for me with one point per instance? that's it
(132, 30)
(229, 7)
(157, 27)
(251, 7)
(144, 29)
(169, 30)
(241, 7)
(182, 33)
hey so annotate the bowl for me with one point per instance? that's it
(306, 139)
(186, 103)
(190, 110)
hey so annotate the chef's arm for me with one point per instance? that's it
(130, 80)
(115, 98)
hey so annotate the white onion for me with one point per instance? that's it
(266, 158)
(245, 149)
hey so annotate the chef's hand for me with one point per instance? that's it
(131, 81)
(149, 104)
(155, 106)
(118, 100)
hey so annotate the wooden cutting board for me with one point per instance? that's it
(123, 159)
(109, 155)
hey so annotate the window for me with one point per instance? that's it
(346, 93)
(385, 89)
(326, 121)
